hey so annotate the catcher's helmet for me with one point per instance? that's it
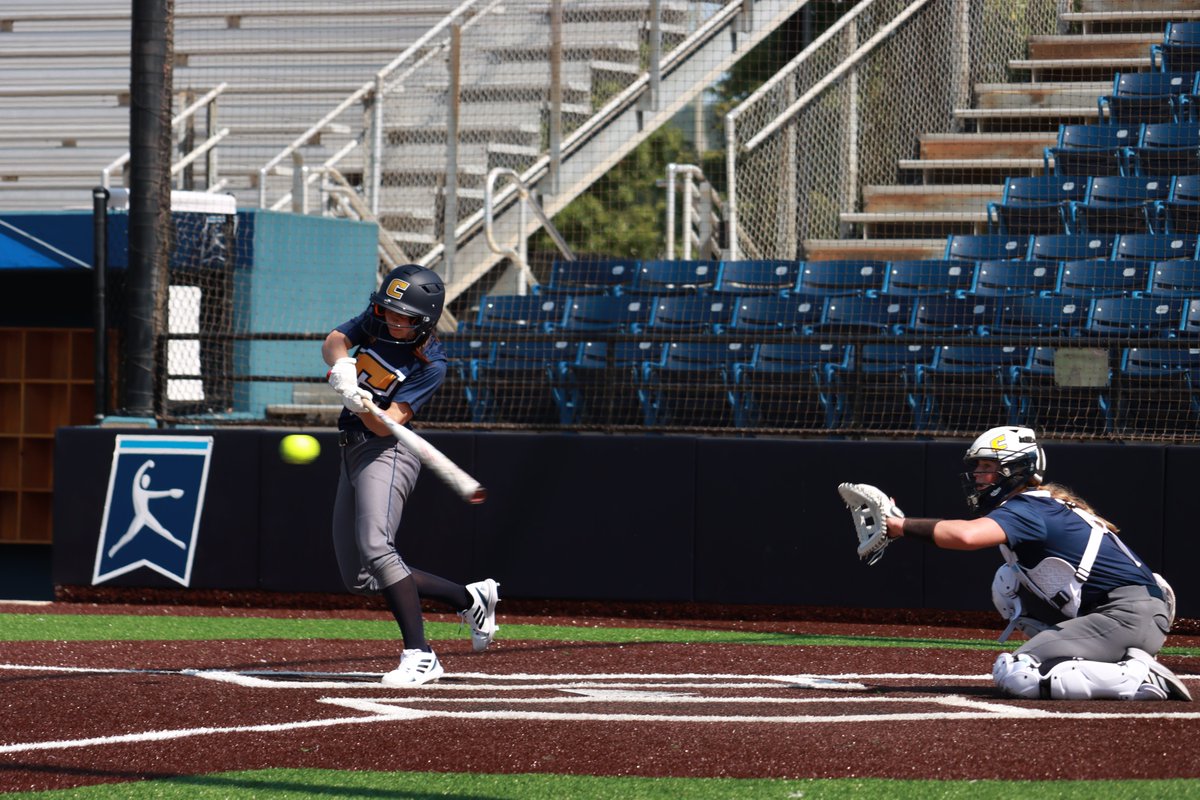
(410, 290)
(1022, 461)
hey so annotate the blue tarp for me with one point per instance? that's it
(20, 249)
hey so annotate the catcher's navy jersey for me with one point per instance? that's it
(392, 372)
(1041, 527)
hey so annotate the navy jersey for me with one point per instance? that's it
(1039, 527)
(392, 372)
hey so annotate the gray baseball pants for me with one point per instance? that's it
(374, 482)
(1130, 618)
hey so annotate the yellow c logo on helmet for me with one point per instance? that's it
(396, 288)
(999, 443)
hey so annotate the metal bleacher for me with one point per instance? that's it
(283, 68)
(65, 82)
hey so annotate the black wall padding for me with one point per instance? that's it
(632, 518)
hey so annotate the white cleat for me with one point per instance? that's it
(417, 667)
(1161, 683)
(481, 616)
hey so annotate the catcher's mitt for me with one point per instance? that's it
(869, 510)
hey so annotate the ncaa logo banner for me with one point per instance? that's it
(152, 509)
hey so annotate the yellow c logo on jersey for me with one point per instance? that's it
(379, 376)
(999, 443)
(396, 288)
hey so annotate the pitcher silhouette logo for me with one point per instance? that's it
(152, 510)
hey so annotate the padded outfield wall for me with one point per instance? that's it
(624, 518)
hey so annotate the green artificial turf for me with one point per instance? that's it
(120, 627)
(290, 784)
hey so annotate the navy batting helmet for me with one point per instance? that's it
(410, 290)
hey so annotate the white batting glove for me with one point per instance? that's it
(343, 375)
(353, 400)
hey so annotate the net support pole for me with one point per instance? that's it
(99, 299)
(450, 206)
(149, 199)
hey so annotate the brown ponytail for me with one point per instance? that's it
(1059, 492)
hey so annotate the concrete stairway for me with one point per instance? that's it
(1005, 131)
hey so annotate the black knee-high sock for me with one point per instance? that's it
(405, 604)
(452, 594)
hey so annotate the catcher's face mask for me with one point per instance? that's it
(988, 483)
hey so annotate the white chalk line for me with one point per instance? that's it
(611, 688)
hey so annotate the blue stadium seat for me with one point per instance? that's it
(1087, 149)
(1159, 392)
(1104, 278)
(865, 314)
(758, 276)
(1071, 247)
(613, 393)
(1190, 326)
(923, 277)
(1179, 50)
(513, 312)
(515, 385)
(692, 387)
(999, 278)
(570, 381)
(1180, 212)
(1040, 399)
(840, 277)
(676, 275)
(986, 246)
(1165, 149)
(875, 389)
(1179, 278)
(966, 387)
(1142, 98)
(1155, 246)
(692, 312)
(1033, 205)
(457, 400)
(776, 314)
(1118, 204)
(590, 276)
(599, 313)
(786, 385)
(1135, 316)
(957, 315)
(1040, 314)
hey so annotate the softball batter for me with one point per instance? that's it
(398, 363)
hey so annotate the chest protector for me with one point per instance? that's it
(1055, 580)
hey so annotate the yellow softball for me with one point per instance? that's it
(299, 448)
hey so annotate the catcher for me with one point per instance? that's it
(1095, 613)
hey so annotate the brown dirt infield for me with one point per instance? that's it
(526, 706)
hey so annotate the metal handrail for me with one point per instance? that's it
(629, 96)
(690, 172)
(366, 89)
(520, 256)
(182, 117)
(200, 149)
(392, 252)
(329, 164)
(731, 147)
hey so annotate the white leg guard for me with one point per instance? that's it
(1097, 680)
(1017, 676)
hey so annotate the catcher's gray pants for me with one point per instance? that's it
(1130, 618)
(375, 479)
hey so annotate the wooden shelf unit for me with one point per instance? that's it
(46, 381)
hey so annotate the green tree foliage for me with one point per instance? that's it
(623, 213)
